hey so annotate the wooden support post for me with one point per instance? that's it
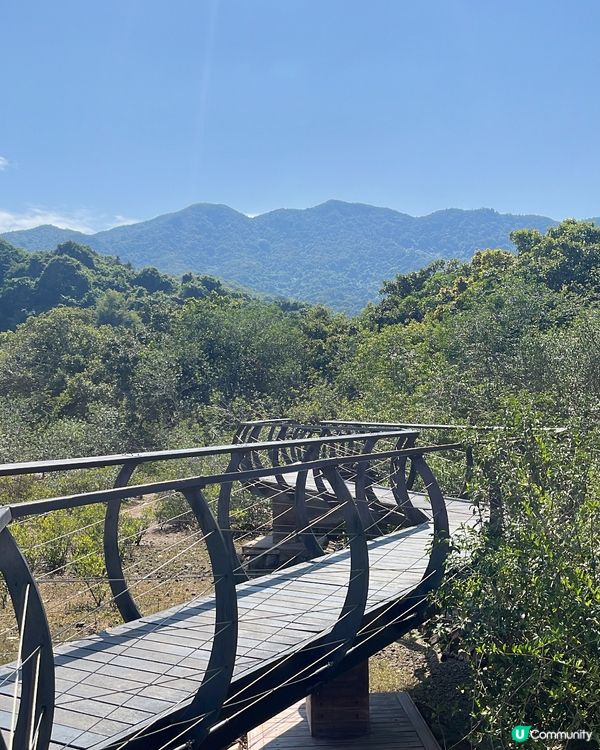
(340, 707)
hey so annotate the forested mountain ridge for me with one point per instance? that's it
(453, 341)
(335, 253)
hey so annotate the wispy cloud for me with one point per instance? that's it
(13, 221)
(81, 221)
(4, 163)
(120, 221)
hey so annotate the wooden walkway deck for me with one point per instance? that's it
(115, 683)
(395, 725)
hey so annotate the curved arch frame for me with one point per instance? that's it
(275, 456)
(122, 596)
(303, 528)
(347, 626)
(441, 529)
(401, 486)
(213, 690)
(238, 461)
(364, 494)
(33, 726)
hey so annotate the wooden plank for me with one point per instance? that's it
(102, 678)
(69, 736)
(424, 732)
(117, 665)
(146, 651)
(81, 721)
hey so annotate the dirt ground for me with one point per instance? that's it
(168, 567)
(412, 665)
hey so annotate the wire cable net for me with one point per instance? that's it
(330, 550)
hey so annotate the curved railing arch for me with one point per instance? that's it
(213, 690)
(123, 599)
(344, 631)
(32, 720)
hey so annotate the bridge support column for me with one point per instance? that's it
(284, 525)
(340, 707)
(284, 521)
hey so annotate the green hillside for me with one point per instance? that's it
(336, 253)
(73, 275)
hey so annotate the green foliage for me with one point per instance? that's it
(112, 310)
(567, 257)
(452, 341)
(526, 612)
(335, 254)
(67, 541)
(153, 281)
(74, 275)
(174, 512)
(455, 341)
(141, 369)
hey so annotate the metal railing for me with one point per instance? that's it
(343, 464)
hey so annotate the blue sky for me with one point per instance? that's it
(125, 109)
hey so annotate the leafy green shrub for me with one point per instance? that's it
(71, 541)
(526, 615)
(250, 515)
(173, 511)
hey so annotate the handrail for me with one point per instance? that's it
(95, 462)
(35, 507)
(419, 426)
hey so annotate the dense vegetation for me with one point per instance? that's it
(139, 355)
(526, 615)
(106, 361)
(75, 276)
(336, 253)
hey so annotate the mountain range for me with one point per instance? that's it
(336, 253)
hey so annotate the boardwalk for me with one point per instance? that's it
(127, 687)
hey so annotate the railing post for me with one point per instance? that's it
(211, 694)
(355, 602)
(441, 530)
(274, 452)
(361, 491)
(469, 466)
(301, 514)
(401, 485)
(253, 460)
